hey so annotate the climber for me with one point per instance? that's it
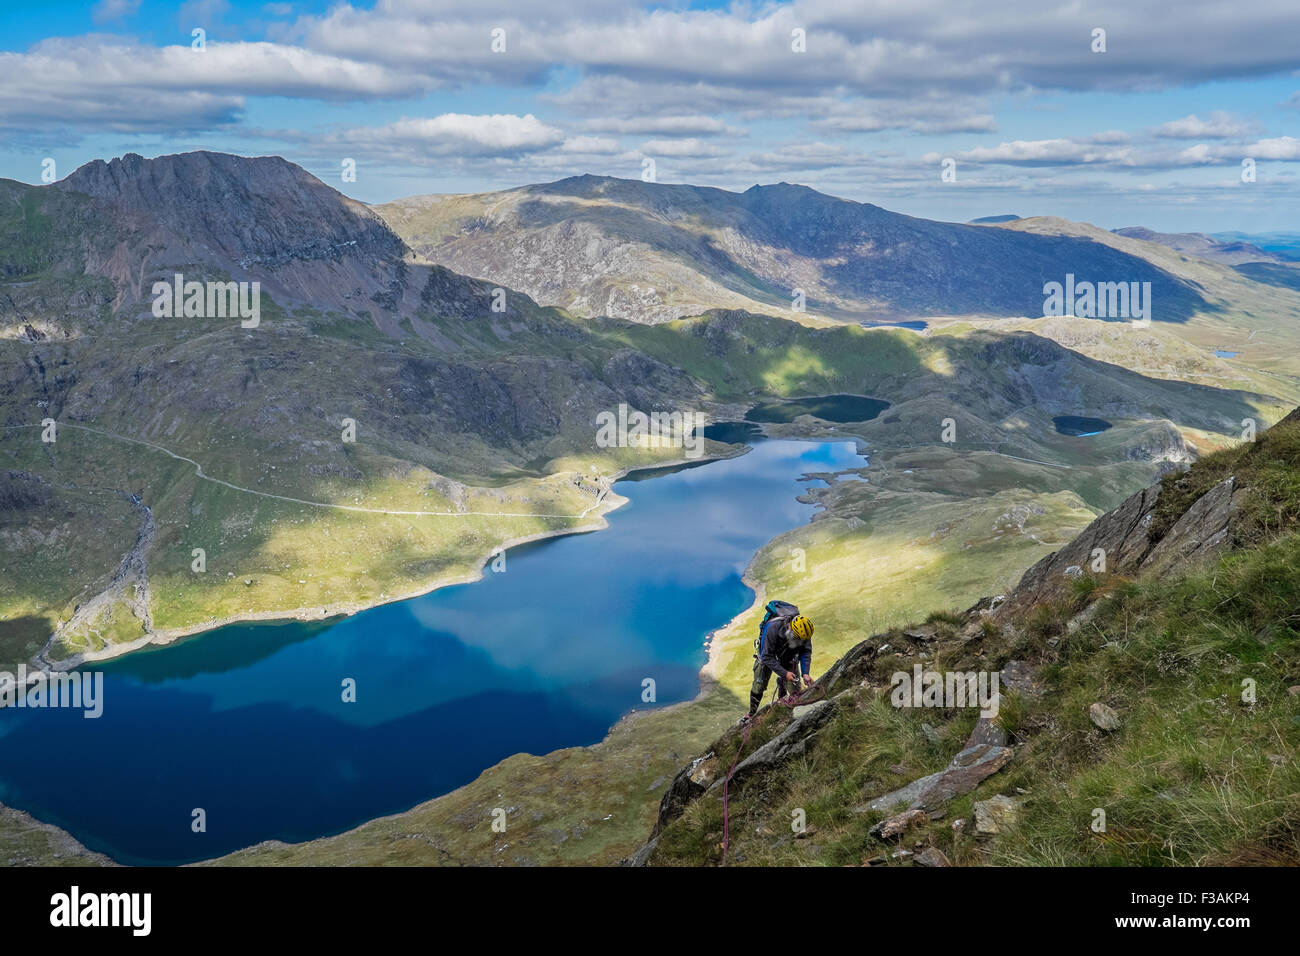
(784, 644)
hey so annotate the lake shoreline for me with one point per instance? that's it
(611, 502)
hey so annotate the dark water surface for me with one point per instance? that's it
(1080, 427)
(831, 408)
(247, 721)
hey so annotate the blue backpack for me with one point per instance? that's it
(774, 609)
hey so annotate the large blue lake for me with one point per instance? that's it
(248, 723)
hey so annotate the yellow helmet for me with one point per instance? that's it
(801, 627)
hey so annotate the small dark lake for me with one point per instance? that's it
(734, 433)
(1080, 427)
(831, 408)
(916, 325)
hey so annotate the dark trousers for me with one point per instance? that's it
(762, 673)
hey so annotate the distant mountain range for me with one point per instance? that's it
(650, 252)
(1285, 245)
(1199, 244)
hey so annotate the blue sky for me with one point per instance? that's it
(1036, 121)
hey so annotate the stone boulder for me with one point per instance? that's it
(967, 771)
(996, 814)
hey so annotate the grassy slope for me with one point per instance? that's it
(1195, 776)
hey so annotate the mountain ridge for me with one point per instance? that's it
(650, 252)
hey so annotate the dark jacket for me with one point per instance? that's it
(781, 651)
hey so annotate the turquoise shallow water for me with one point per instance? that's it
(247, 721)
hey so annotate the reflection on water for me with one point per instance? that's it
(247, 722)
(831, 408)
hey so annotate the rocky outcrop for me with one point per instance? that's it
(706, 773)
(963, 774)
(996, 814)
(1122, 542)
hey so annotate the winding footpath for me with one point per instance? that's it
(199, 473)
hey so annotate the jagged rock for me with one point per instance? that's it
(704, 771)
(966, 772)
(689, 783)
(790, 742)
(853, 667)
(996, 814)
(1104, 717)
(705, 774)
(921, 635)
(932, 856)
(1121, 533)
(1294, 691)
(931, 734)
(1203, 530)
(987, 732)
(1021, 678)
(642, 856)
(899, 824)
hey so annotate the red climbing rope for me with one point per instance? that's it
(791, 701)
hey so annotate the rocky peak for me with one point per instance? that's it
(251, 210)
